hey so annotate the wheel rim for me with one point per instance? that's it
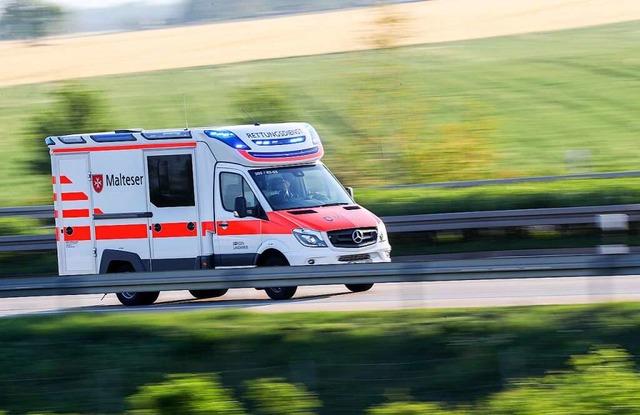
(128, 295)
(277, 289)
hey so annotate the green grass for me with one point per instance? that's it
(524, 101)
(88, 363)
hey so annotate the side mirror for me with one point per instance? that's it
(240, 207)
(350, 191)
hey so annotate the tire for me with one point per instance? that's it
(358, 288)
(279, 293)
(200, 294)
(137, 299)
(133, 298)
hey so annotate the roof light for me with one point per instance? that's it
(164, 135)
(104, 138)
(315, 138)
(72, 139)
(228, 138)
(280, 141)
(49, 141)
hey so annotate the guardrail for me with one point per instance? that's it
(479, 269)
(584, 215)
(490, 182)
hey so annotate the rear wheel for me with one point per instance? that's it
(134, 298)
(358, 288)
(279, 293)
(200, 294)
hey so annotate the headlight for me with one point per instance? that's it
(308, 237)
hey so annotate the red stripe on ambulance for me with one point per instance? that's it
(208, 226)
(105, 232)
(174, 230)
(63, 180)
(74, 196)
(239, 227)
(78, 233)
(121, 148)
(75, 213)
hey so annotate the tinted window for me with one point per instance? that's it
(171, 180)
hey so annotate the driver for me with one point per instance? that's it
(282, 187)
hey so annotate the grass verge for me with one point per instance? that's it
(86, 363)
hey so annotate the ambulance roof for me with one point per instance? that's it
(249, 145)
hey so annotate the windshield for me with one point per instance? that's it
(300, 187)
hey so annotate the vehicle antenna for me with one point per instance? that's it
(184, 103)
(256, 123)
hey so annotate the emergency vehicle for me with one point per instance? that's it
(235, 196)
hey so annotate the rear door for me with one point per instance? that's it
(172, 201)
(76, 233)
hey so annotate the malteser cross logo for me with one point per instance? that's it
(98, 182)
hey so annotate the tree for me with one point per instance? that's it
(29, 19)
(186, 394)
(275, 396)
(75, 110)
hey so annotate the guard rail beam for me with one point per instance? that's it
(478, 269)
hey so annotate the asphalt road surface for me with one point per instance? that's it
(486, 293)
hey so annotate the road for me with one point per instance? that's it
(486, 293)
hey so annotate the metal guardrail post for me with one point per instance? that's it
(615, 231)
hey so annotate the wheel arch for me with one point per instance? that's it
(112, 259)
(270, 253)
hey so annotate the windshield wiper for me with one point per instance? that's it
(335, 204)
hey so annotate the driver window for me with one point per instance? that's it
(233, 185)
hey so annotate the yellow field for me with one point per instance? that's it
(424, 22)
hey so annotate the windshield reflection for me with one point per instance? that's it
(300, 187)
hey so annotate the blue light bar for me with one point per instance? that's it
(165, 135)
(280, 141)
(105, 138)
(228, 138)
(285, 154)
(73, 139)
(49, 141)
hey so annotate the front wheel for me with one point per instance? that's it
(358, 288)
(133, 299)
(200, 294)
(279, 293)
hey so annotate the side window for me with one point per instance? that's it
(233, 185)
(171, 180)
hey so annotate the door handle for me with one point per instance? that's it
(223, 225)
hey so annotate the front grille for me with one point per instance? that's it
(353, 238)
(354, 258)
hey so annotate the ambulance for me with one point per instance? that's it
(196, 198)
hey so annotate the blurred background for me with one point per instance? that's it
(419, 104)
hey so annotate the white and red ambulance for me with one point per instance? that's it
(233, 196)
